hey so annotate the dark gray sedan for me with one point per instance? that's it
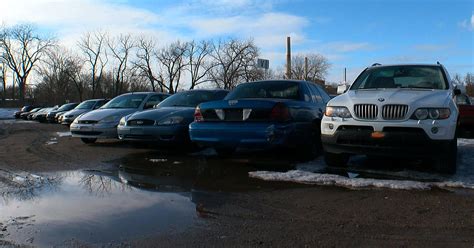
(168, 122)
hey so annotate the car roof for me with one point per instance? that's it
(376, 65)
(145, 92)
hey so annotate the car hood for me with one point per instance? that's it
(157, 114)
(99, 114)
(420, 98)
(76, 112)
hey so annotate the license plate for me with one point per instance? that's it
(377, 135)
(85, 128)
(136, 131)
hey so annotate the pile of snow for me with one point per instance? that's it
(307, 177)
(7, 113)
(315, 172)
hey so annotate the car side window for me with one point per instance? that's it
(163, 97)
(323, 93)
(99, 104)
(153, 100)
(462, 100)
(315, 94)
(307, 93)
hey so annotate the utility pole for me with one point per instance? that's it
(288, 57)
(306, 68)
(345, 74)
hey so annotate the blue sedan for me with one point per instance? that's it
(263, 115)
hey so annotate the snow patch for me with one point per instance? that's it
(63, 134)
(465, 142)
(7, 113)
(307, 177)
(158, 160)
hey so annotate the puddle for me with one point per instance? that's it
(137, 198)
(392, 174)
(50, 209)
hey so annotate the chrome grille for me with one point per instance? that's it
(394, 112)
(366, 111)
(141, 123)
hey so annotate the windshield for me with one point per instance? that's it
(191, 98)
(267, 89)
(125, 101)
(68, 106)
(388, 77)
(86, 105)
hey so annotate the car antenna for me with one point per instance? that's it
(376, 64)
(437, 62)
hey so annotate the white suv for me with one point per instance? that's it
(395, 110)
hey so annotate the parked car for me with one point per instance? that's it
(168, 122)
(466, 114)
(24, 109)
(397, 111)
(82, 108)
(25, 115)
(262, 115)
(51, 115)
(41, 114)
(102, 123)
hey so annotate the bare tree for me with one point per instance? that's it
(76, 75)
(56, 69)
(92, 46)
(22, 49)
(3, 75)
(146, 49)
(172, 61)
(318, 66)
(120, 48)
(233, 59)
(198, 62)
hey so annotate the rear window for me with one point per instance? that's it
(422, 77)
(267, 89)
(191, 98)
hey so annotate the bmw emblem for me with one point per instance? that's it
(381, 99)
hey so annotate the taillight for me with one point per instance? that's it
(198, 115)
(280, 112)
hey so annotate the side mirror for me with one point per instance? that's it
(457, 92)
(342, 89)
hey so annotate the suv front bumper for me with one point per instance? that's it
(399, 143)
(408, 138)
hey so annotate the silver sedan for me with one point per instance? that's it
(102, 123)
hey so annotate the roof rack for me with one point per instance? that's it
(376, 64)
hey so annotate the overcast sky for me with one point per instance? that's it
(352, 34)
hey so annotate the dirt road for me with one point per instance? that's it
(227, 208)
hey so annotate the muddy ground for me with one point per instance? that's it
(228, 209)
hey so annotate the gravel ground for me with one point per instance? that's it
(270, 215)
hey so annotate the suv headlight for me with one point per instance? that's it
(431, 113)
(173, 120)
(341, 112)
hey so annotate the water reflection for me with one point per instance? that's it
(25, 186)
(93, 207)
